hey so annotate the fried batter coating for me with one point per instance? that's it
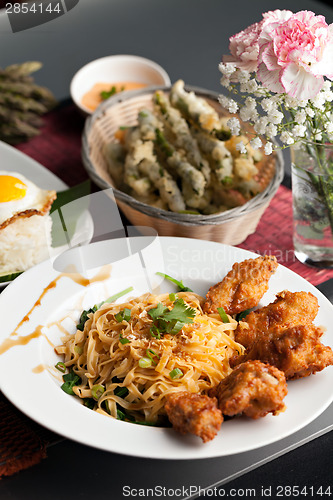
(243, 287)
(194, 414)
(297, 351)
(288, 310)
(252, 389)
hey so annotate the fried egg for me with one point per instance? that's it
(20, 197)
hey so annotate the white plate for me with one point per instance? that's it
(36, 391)
(13, 160)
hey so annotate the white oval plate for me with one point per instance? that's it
(13, 160)
(30, 382)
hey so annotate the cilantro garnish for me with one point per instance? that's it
(84, 317)
(171, 320)
(70, 380)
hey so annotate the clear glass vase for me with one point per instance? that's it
(312, 189)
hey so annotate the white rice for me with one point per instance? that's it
(24, 243)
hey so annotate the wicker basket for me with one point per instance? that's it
(231, 227)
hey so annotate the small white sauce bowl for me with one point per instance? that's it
(114, 69)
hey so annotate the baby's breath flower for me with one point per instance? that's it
(233, 106)
(228, 104)
(318, 101)
(317, 134)
(275, 116)
(309, 111)
(245, 114)
(299, 130)
(240, 146)
(225, 82)
(260, 125)
(327, 85)
(256, 143)
(329, 127)
(286, 137)
(328, 95)
(224, 101)
(271, 130)
(300, 116)
(244, 76)
(252, 86)
(291, 102)
(268, 148)
(234, 125)
(250, 103)
(227, 69)
(268, 104)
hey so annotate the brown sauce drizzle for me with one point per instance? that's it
(38, 369)
(14, 339)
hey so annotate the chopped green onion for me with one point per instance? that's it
(78, 349)
(61, 367)
(145, 362)
(97, 390)
(172, 297)
(123, 340)
(124, 315)
(223, 315)
(149, 353)
(180, 284)
(176, 373)
(116, 296)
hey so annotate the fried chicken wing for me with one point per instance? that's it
(288, 310)
(243, 287)
(297, 351)
(194, 414)
(253, 389)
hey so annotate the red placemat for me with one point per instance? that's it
(58, 148)
(274, 236)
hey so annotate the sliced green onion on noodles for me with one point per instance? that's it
(176, 373)
(223, 315)
(97, 390)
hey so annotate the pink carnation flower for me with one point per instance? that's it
(295, 53)
(244, 48)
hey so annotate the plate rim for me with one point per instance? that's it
(106, 447)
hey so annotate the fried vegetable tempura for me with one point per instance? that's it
(194, 414)
(252, 389)
(243, 287)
